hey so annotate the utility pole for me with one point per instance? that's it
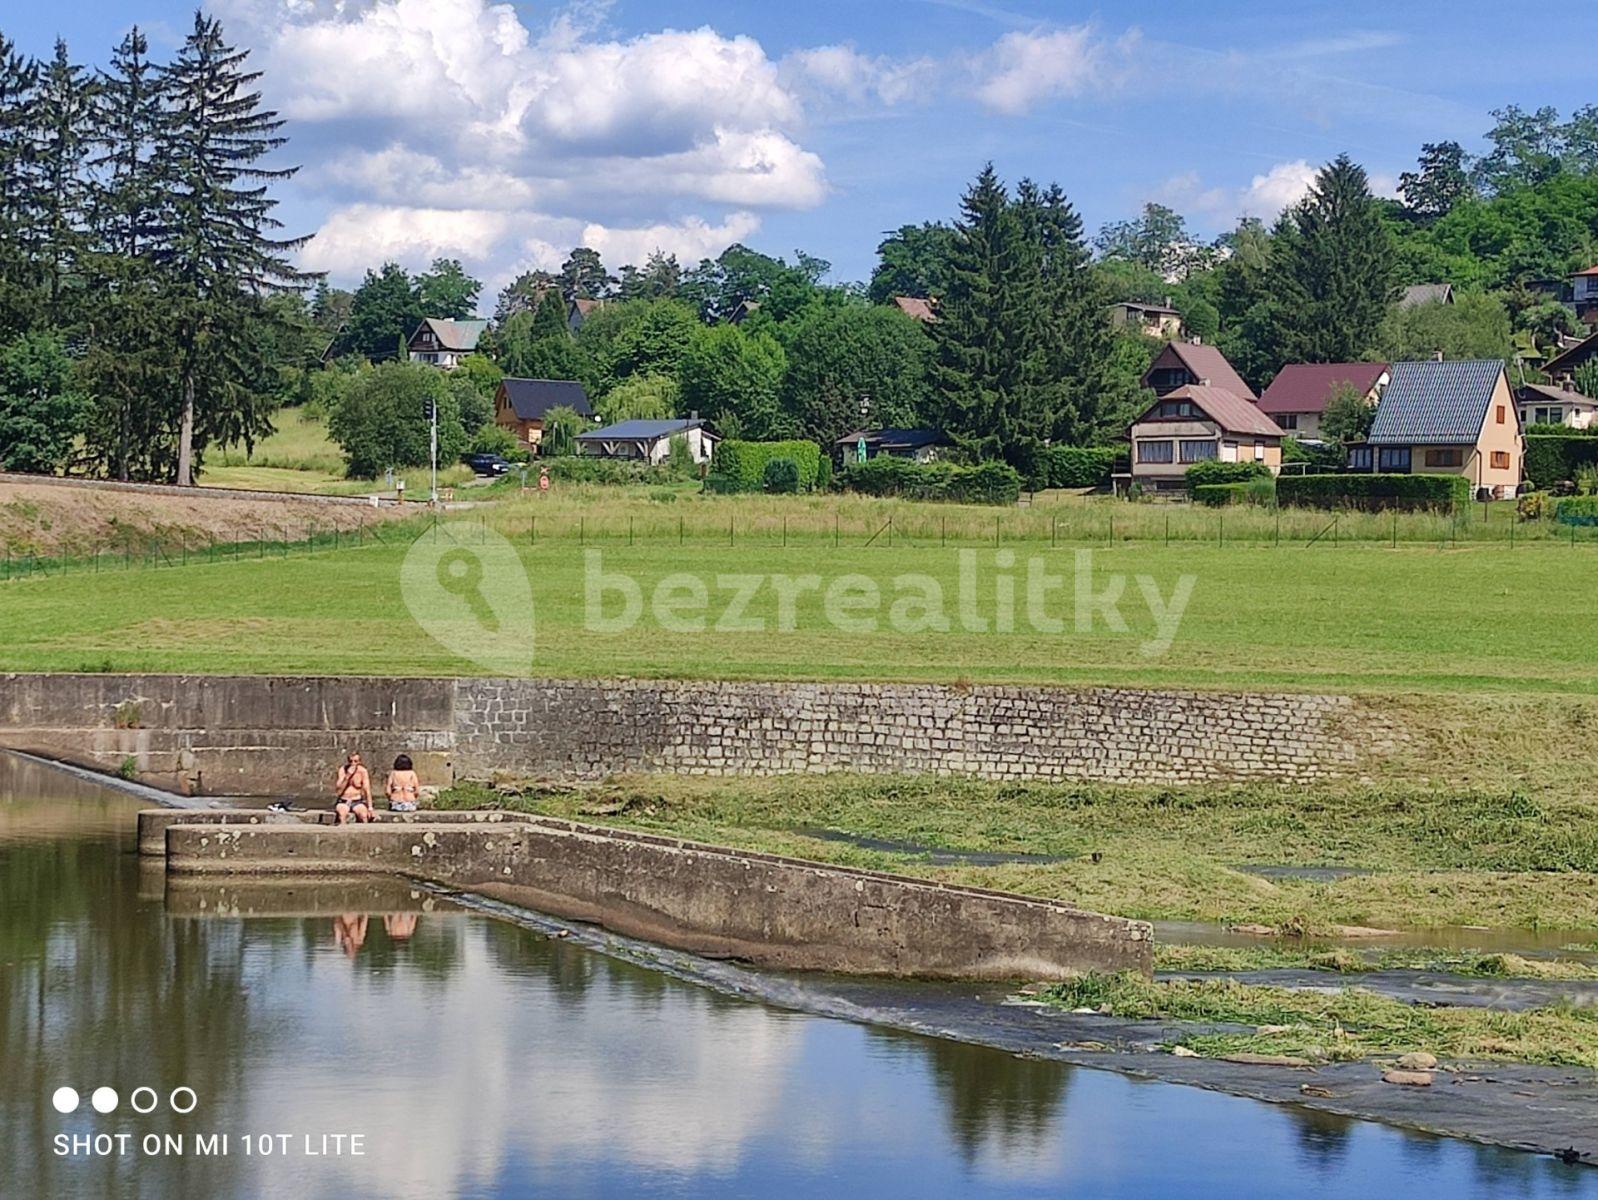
(432, 406)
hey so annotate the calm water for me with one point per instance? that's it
(481, 1059)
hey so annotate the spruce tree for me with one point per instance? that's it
(63, 115)
(1333, 271)
(217, 250)
(18, 160)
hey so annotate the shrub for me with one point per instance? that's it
(1371, 492)
(1219, 495)
(1553, 458)
(600, 470)
(493, 439)
(1216, 471)
(382, 420)
(742, 464)
(1577, 510)
(985, 483)
(781, 476)
(1079, 466)
(1533, 506)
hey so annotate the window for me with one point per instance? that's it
(1392, 458)
(1500, 414)
(1359, 458)
(1500, 460)
(1547, 416)
(1154, 452)
(1176, 408)
(1197, 450)
(1167, 379)
(1259, 451)
(1287, 420)
(1447, 456)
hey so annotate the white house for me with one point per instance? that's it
(444, 343)
(649, 441)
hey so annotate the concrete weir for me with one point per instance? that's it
(709, 900)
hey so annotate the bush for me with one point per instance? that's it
(493, 439)
(1577, 510)
(1554, 458)
(1079, 466)
(1533, 506)
(1219, 495)
(382, 420)
(782, 476)
(985, 483)
(743, 464)
(1216, 471)
(600, 470)
(1372, 492)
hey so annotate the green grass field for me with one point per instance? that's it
(1353, 617)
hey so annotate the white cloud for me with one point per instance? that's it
(1021, 70)
(690, 240)
(1283, 185)
(363, 235)
(840, 74)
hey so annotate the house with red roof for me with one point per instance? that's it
(1198, 423)
(1296, 399)
(1190, 364)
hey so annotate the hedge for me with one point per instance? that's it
(586, 469)
(1553, 458)
(1374, 491)
(985, 483)
(742, 465)
(1079, 466)
(1218, 495)
(1215, 471)
(1577, 510)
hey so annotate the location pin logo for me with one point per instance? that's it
(468, 589)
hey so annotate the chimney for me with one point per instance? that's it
(1196, 340)
(1204, 383)
(1437, 356)
(1167, 302)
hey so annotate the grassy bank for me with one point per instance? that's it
(1296, 956)
(1350, 619)
(1487, 856)
(1350, 1023)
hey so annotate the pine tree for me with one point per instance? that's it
(127, 125)
(63, 113)
(18, 160)
(1333, 271)
(217, 250)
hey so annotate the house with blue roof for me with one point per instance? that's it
(649, 441)
(1447, 418)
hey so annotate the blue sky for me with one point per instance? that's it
(505, 134)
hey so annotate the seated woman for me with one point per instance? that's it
(404, 788)
(353, 792)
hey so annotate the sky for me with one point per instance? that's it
(504, 134)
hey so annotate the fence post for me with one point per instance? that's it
(784, 531)
(730, 520)
(1220, 529)
(836, 532)
(995, 531)
(679, 529)
(582, 530)
(1054, 532)
(1167, 529)
(629, 530)
(1278, 526)
(1395, 529)
(890, 531)
(943, 531)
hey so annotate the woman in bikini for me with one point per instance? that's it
(353, 791)
(404, 788)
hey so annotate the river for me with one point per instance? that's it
(475, 1057)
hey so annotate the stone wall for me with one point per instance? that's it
(593, 728)
(247, 735)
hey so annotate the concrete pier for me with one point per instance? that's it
(709, 900)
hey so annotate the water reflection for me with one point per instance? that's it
(484, 1059)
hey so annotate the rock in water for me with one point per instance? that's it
(1417, 1060)
(1408, 1078)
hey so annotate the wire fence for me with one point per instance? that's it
(852, 528)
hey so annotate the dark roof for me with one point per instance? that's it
(530, 399)
(1547, 391)
(646, 430)
(454, 335)
(897, 439)
(1227, 409)
(1569, 360)
(1432, 402)
(1142, 307)
(1306, 387)
(1426, 293)
(1208, 366)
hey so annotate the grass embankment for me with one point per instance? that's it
(1343, 961)
(1339, 1026)
(1476, 853)
(300, 457)
(1365, 619)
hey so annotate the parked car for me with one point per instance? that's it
(486, 464)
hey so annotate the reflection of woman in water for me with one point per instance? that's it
(349, 933)
(399, 926)
(404, 787)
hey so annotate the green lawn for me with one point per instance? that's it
(1364, 618)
